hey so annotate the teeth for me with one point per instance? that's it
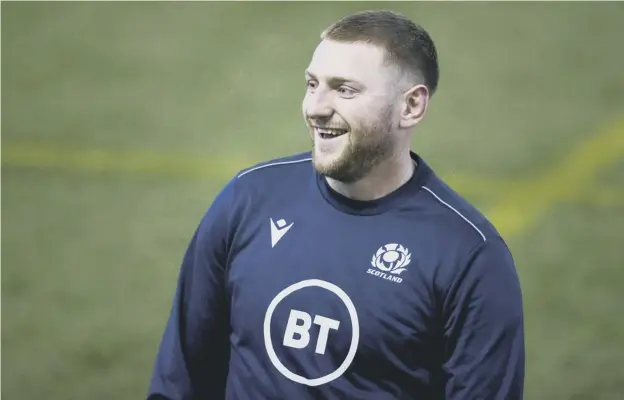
(333, 132)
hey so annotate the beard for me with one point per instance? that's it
(366, 148)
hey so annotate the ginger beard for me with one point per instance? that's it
(352, 156)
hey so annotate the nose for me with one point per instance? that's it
(317, 105)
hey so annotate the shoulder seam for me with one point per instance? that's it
(456, 212)
(272, 164)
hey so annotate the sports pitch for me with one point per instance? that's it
(120, 121)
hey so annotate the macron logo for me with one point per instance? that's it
(278, 230)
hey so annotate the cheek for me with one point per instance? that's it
(366, 124)
(367, 117)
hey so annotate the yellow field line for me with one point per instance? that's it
(213, 166)
(511, 215)
(522, 206)
(25, 154)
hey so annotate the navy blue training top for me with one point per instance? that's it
(289, 290)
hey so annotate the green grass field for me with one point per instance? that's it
(120, 121)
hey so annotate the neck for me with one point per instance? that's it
(384, 179)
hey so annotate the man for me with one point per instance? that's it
(353, 271)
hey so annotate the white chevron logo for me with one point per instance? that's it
(278, 230)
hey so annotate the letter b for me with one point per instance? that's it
(299, 323)
(294, 327)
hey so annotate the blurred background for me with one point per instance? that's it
(120, 122)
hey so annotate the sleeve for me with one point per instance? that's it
(192, 358)
(484, 328)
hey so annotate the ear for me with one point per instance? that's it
(415, 103)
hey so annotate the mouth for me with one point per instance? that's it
(329, 133)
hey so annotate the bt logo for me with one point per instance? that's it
(293, 328)
(297, 334)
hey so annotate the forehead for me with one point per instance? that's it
(360, 61)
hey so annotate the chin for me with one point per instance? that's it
(333, 166)
(322, 164)
(325, 161)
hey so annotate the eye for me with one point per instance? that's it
(311, 84)
(346, 91)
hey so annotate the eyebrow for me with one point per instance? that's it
(333, 79)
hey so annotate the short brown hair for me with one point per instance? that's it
(405, 42)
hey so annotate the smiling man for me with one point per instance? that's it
(351, 271)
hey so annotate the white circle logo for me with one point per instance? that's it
(354, 326)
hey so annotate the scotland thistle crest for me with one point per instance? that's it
(391, 258)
